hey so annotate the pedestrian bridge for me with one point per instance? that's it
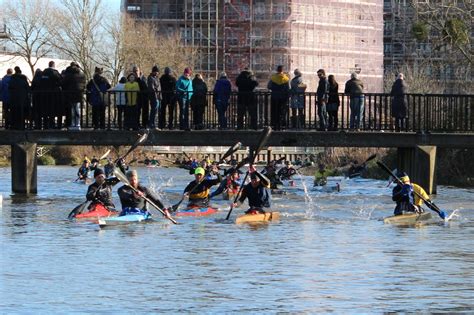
(432, 121)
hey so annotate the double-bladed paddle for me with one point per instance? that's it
(125, 181)
(228, 153)
(140, 140)
(251, 158)
(428, 203)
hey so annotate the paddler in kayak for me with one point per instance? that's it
(100, 192)
(198, 189)
(257, 192)
(131, 201)
(230, 184)
(405, 197)
(83, 172)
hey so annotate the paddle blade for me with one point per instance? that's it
(261, 143)
(105, 155)
(370, 158)
(121, 176)
(231, 151)
(77, 210)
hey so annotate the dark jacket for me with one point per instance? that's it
(154, 88)
(18, 89)
(51, 79)
(129, 199)
(258, 197)
(323, 89)
(74, 84)
(399, 102)
(103, 193)
(279, 84)
(334, 94)
(222, 91)
(168, 86)
(5, 93)
(354, 87)
(199, 96)
(404, 197)
(246, 81)
(97, 96)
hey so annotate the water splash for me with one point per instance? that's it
(453, 215)
(311, 205)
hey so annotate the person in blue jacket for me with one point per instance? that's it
(222, 91)
(257, 192)
(184, 92)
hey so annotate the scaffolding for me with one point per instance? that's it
(340, 36)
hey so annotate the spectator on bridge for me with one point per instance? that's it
(74, 84)
(154, 95)
(333, 103)
(19, 99)
(355, 89)
(322, 95)
(222, 90)
(50, 97)
(120, 100)
(199, 101)
(246, 102)
(36, 110)
(168, 88)
(142, 97)
(97, 93)
(184, 92)
(297, 100)
(132, 89)
(6, 98)
(399, 102)
(280, 87)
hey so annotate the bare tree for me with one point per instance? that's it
(77, 31)
(110, 49)
(27, 22)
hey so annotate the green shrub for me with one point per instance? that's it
(46, 160)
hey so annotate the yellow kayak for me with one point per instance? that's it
(260, 217)
(408, 218)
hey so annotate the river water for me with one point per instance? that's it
(330, 252)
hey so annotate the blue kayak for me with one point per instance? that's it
(124, 219)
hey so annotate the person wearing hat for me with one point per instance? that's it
(257, 192)
(406, 195)
(198, 189)
(286, 171)
(184, 92)
(83, 172)
(168, 89)
(132, 198)
(100, 192)
(230, 184)
(154, 95)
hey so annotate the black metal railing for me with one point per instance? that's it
(52, 110)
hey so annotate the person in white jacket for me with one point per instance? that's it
(120, 100)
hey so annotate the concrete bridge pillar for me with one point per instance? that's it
(420, 164)
(24, 168)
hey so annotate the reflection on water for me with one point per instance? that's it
(330, 252)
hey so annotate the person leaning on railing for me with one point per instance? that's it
(355, 89)
(96, 90)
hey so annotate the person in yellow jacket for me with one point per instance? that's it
(198, 189)
(407, 196)
(279, 84)
(132, 88)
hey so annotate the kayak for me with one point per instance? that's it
(408, 218)
(195, 212)
(99, 211)
(124, 219)
(259, 217)
(328, 188)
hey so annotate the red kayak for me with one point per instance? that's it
(195, 212)
(99, 210)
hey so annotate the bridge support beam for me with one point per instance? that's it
(24, 168)
(420, 164)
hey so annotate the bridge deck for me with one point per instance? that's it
(248, 138)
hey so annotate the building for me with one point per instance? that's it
(341, 36)
(426, 55)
